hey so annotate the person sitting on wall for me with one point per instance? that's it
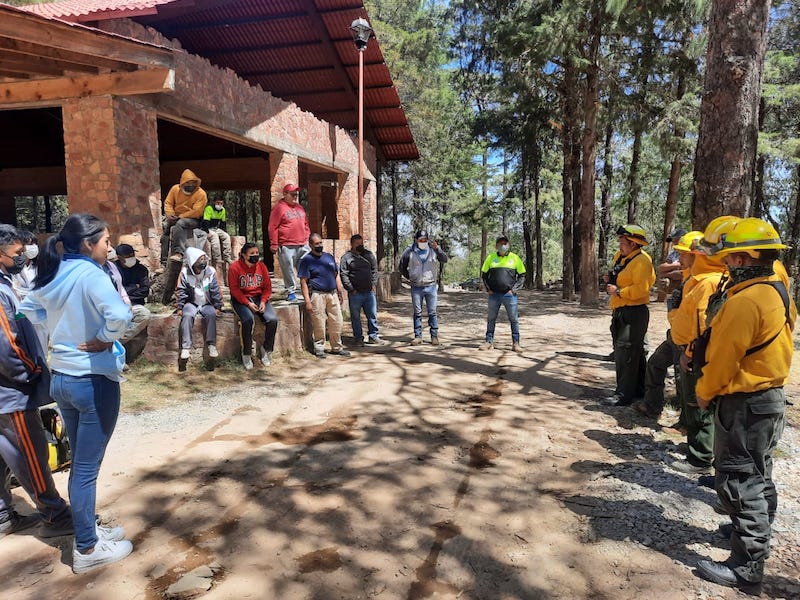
(214, 223)
(183, 209)
(136, 282)
(251, 288)
(198, 292)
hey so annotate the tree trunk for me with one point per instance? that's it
(726, 145)
(759, 201)
(576, 198)
(504, 201)
(395, 234)
(254, 202)
(634, 185)
(674, 184)
(605, 197)
(48, 214)
(484, 204)
(589, 280)
(568, 93)
(241, 213)
(526, 220)
(538, 234)
(793, 253)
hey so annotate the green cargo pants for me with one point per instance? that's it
(628, 329)
(748, 428)
(699, 424)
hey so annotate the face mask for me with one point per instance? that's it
(360, 248)
(189, 188)
(503, 249)
(200, 266)
(318, 249)
(253, 259)
(19, 263)
(112, 254)
(31, 251)
(747, 272)
(422, 245)
(129, 262)
(218, 207)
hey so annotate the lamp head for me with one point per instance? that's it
(361, 31)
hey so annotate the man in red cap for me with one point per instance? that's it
(288, 236)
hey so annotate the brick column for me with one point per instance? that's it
(111, 155)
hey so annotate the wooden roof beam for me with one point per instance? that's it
(43, 66)
(35, 91)
(18, 25)
(24, 48)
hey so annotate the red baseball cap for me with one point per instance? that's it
(290, 187)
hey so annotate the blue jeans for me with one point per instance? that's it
(508, 300)
(90, 406)
(366, 301)
(428, 293)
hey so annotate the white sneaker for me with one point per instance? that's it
(109, 534)
(105, 552)
(266, 357)
(185, 352)
(212, 351)
(247, 361)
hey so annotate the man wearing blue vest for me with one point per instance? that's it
(503, 275)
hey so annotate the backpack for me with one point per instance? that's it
(700, 345)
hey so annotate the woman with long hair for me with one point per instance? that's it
(77, 300)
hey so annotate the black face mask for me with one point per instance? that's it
(318, 249)
(19, 263)
(360, 248)
(253, 259)
(199, 267)
(188, 189)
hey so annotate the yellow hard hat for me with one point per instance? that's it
(715, 230)
(750, 235)
(688, 241)
(634, 233)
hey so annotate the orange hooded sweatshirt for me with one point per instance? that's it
(186, 206)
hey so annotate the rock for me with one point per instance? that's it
(194, 582)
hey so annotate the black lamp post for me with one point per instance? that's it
(361, 31)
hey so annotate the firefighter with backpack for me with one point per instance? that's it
(747, 360)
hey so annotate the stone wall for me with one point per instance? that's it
(162, 335)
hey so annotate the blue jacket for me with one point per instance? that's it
(81, 304)
(24, 378)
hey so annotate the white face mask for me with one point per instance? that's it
(129, 262)
(422, 245)
(112, 254)
(218, 207)
(31, 251)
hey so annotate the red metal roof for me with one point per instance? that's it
(299, 50)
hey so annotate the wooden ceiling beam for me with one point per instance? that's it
(29, 66)
(19, 25)
(23, 48)
(43, 66)
(119, 84)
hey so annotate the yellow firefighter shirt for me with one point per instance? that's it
(689, 319)
(634, 280)
(751, 315)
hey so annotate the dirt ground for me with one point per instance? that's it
(409, 472)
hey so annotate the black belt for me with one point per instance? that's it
(313, 291)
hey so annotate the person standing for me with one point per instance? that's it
(183, 209)
(215, 224)
(251, 289)
(198, 293)
(628, 286)
(322, 292)
(749, 353)
(288, 234)
(78, 301)
(24, 387)
(358, 270)
(420, 265)
(503, 274)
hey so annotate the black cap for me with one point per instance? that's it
(501, 238)
(421, 233)
(676, 234)
(124, 250)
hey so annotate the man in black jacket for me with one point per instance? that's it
(136, 281)
(24, 387)
(359, 273)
